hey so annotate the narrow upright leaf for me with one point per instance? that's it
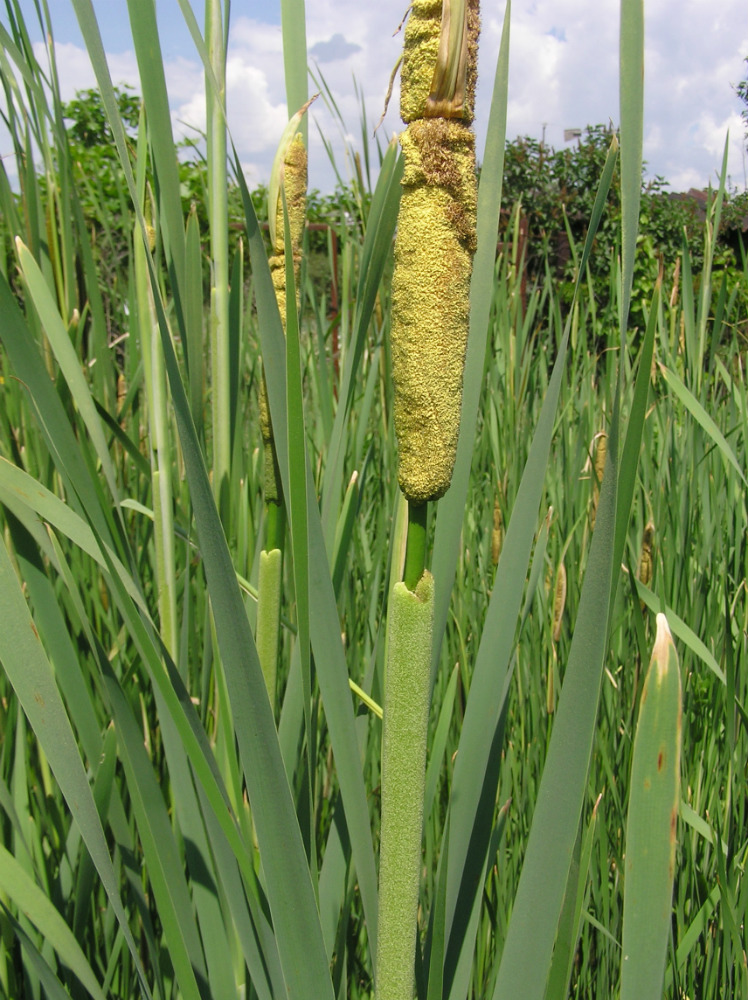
(652, 824)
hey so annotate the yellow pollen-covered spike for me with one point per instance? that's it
(430, 301)
(435, 241)
(294, 181)
(291, 175)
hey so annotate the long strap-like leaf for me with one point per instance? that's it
(328, 652)
(31, 675)
(477, 761)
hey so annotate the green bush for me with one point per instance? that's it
(556, 190)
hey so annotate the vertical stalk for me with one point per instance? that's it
(430, 318)
(161, 457)
(415, 552)
(219, 252)
(288, 183)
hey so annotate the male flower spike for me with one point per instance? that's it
(289, 170)
(435, 241)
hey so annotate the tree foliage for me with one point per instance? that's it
(555, 190)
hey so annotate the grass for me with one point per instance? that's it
(146, 784)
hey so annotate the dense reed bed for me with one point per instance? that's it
(168, 829)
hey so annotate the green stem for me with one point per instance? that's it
(415, 552)
(268, 616)
(275, 525)
(161, 452)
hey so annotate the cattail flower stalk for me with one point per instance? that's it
(289, 174)
(161, 456)
(430, 315)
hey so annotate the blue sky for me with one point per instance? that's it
(563, 74)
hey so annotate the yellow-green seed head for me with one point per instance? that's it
(559, 601)
(646, 559)
(293, 177)
(148, 215)
(278, 276)
(601, 453)
(430, 301)
(440, 60)
(440, 154)
(497, 534)
(273, 490)
(600, 443)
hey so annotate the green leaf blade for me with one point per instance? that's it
(652, 824)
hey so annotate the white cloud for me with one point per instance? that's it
(76, 72)
(563, 74)
(188, 119)
(691, 63)
(256, 121)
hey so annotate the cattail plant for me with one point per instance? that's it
(435, 244)
(497, 532)
(559, 605)
(559, 601)
(132, 699)
(430, 315)
(289, 174)
(598, 449)
(288, 183)
(161, 445)
(646, 563)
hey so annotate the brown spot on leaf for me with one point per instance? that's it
(660, 760)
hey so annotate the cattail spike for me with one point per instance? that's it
(600, 445)
(290, 173)
(430, 301)
(559, 601)
(601, 453)
(497, 535)
(434, 248)
(286, 155)
(645, 559)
